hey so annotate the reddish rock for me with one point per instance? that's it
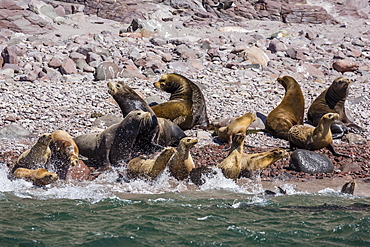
(345, 66)
(351, 167)
(55, 63)
(68, 67)
(311, 70)
(167, 57)
(13, 17)
(276, 45)
(79, 172)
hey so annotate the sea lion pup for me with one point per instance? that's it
(238, 125)
(259, 161)
(289, 112)
(231, 165)
(118, 142)
(332, 100)
(349, 187)
(64, 152)
(311, 138)
(182, 163)
(37, 156)
(141, 167)
(186, 106)
(38, 177)
(166, 134)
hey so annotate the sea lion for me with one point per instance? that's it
(37, 156)
(257, 161)
(332, 100)
(289, 112)
(311, 138)
(231, 165)
(186, 106)
(167, 133)
(39, 177)
(238, 125)
(118, 142)
(142, 167)
(349, 187)
(182, 163)
(64, 153)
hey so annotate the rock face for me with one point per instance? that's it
(310, 162)
(286, 11)
(15, 18)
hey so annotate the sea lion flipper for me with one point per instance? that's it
(331, 149)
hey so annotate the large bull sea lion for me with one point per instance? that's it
(186, 106)
(166, 134)
(118, 142)
(289, 112)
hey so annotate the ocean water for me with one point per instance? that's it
(171, 213)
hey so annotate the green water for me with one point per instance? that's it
(106, 213)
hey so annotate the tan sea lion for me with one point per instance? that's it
(186, 106)
(119, 142)
(142, 167)
(182, 163)
(166, 134)
(238, 125)
(231, 165)
(64, 152)
(332, 100)
(314, 138)
(39, 177)
(257, 161)
(37, 156)
(289, 112)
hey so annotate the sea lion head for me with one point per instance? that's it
(340, 86)
(251, 116)
(188, 142)
(171, 83)
(330, 117)
(286, 81)
(45, 139)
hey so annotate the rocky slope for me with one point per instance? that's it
(235, 55)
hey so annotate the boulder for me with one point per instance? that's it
(311, 162)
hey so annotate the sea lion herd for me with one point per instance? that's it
(151, 138)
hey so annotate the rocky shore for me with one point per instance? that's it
(50, 62)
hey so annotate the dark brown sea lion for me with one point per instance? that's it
(332, 100)
(182, 163)
(38, 177)
(166, 134)
(142, 167)
(231, 165)
(37, 156)
(258, 161)
(64, 153)
(311, 138)
(349, 187)
(238, 125)
(289, 112)
(186, 106)
(119, 142)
